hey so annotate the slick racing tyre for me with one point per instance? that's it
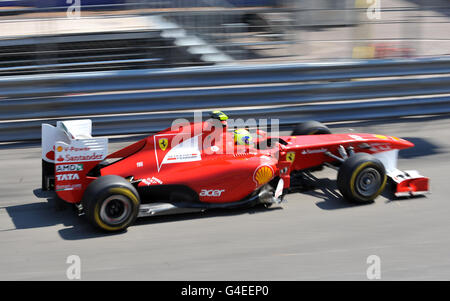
(310, 128)
(361, 178)
(111, 203)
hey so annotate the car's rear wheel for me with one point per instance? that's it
(361, 178)
(111, 203)
(310, 128)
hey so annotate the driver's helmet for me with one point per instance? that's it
(242, 137)
(220, 116)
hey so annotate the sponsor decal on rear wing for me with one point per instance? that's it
(69, 152)
(73, 161)
(82, 150)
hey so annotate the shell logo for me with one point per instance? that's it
(263, 174)
(59, 148)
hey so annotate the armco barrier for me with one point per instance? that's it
(141, 101)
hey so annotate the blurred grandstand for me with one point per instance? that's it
(39, 36)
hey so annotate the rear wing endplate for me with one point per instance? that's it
(68, 153)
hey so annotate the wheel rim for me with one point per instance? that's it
(368, 182)
(115, 209)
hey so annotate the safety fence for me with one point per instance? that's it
(143, 101)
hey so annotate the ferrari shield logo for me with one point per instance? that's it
(163, 143)
(290, 157)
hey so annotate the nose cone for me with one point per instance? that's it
(395, 142)
(401, 143)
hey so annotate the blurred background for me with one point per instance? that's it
(49, 36)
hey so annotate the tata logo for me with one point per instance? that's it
(212, 192)
(68, 177)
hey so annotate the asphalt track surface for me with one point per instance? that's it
(314, 236)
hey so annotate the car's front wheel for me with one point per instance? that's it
(361, 178)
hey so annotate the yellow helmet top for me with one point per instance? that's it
(219, 115)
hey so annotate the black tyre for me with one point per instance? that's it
(361, 178)
(111, 203)
(310, 128)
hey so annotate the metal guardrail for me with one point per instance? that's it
(142, 101)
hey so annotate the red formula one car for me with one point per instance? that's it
(198, 167)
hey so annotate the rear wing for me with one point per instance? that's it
(69, 152)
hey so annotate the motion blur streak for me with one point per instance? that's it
(115, 35)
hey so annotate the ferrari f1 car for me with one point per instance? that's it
(198, 167)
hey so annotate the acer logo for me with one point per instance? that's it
(68, 177)
(212, 192)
